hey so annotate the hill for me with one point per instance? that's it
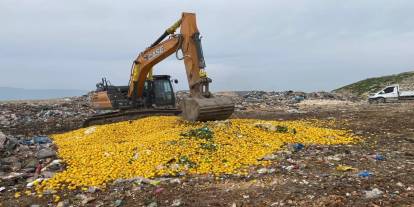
(8, 93)
(364, 87)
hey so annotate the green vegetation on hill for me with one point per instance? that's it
(363, 87)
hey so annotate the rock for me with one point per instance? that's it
(293, 111)
(64, 203)
(2, 139)
(175, 180)
(288, 168)
(269, 157)
(359, 132)
(138, 180)
(12, 175)
(9, 160)
(92, 189)
(11, 144)
(25, 151)
(159, 190)
(99, 203)
(262, 170)
(118, 203)
(45, 153)
(399, 184)
(85, 199)
(5, 168)
(31, 163)
(11, 163)
(153, 204)
(16, 166)
(374, 193)
(334, 158)
(176, 202)
(12, 178)
(265, 170)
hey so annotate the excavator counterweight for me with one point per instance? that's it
(148, 94)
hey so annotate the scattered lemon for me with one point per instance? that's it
(56, 198)
(167, 145)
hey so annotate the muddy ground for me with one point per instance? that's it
(304, 178)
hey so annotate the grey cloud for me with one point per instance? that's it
(270, 45)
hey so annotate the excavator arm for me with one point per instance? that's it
(188, 41)
(146, 60)
(201, 105)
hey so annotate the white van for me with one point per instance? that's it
(391, 93)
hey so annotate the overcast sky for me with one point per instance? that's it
(267, 45)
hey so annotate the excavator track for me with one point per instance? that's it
(119, 116)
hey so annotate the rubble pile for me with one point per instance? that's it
(284, 100)
(26, 154)
(24, 160)
(24, 117)
(275, 100)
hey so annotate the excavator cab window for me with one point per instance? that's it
(163, 93)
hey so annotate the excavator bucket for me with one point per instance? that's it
(100, 100)
(207, 109)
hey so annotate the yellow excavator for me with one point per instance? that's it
(148, 94)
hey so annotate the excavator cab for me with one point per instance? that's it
(162, 92)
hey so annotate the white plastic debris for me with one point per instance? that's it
(374, 193)
(38, 180)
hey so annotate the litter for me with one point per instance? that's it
(365, 174)
(344, 168)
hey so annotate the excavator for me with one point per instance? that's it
(148, 94)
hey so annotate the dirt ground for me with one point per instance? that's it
(304, 178)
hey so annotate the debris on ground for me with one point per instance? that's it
(344, 168)
(21, 117)
(311, 176)
(365, 174)
(379, 157)
(374, 193)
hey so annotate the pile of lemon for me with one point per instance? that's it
(166, 145)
